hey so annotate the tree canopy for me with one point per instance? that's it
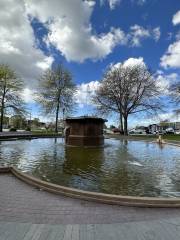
(55, 92)
(10, 88)
(128, 90)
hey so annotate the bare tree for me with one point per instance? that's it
(128, 90)
(55, 92)
(175, 92)
(10, 88)
(106, 99)
(175, 96)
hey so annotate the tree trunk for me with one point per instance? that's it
(1, 119)
(125, 125)
(121, 123)
(2, 111)
(57, 115)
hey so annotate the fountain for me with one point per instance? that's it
(84, 131)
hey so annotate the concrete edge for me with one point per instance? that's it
(27, 136)
(93, 196)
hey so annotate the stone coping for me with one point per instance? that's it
(93, 196)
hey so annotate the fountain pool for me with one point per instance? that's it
(122, 167)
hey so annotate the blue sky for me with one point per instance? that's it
(87, 36)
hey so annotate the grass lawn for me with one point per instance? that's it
(172, 137)
(166, 136)
(43, 132)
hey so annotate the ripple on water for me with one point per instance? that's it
(121, 167)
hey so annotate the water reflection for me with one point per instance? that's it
(83, 165)
(122, 167)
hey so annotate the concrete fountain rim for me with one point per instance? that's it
(93, 196)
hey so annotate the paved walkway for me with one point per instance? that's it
(28, 213)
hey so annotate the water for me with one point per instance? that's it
(122, 167)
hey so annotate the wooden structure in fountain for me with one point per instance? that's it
(84, 131)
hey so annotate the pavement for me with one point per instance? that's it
(29, 213)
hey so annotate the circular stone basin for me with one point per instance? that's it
(122, 167)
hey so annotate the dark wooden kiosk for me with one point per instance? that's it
(84, 131)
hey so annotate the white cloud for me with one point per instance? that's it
(134, 62)
(85, 92)
(156, 33)
(138, 33)
(70, 30)
(46, 63)
(176, 18)
(17, 41)
(28, 95)
(165, 80)
(130, 62)
(172, 56)
(77, 46)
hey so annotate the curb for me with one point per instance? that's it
(93, 196)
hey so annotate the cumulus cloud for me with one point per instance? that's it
(130, 62)
(165, 80)
(85, 92)
(134, 61)
(79, 46)
(172, 56)
(139, 33)
(28, 95)
(45, 63)
(176, 18)
(17, 42)
(70, 30)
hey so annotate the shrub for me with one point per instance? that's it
(13, 129)
(28, 129)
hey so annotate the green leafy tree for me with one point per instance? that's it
(18, 122)
(56, 91)
(10, 88)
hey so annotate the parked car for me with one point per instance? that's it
(161, 132)
(170, 131)
(177, 132)
(116, 130)
(137, 131)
